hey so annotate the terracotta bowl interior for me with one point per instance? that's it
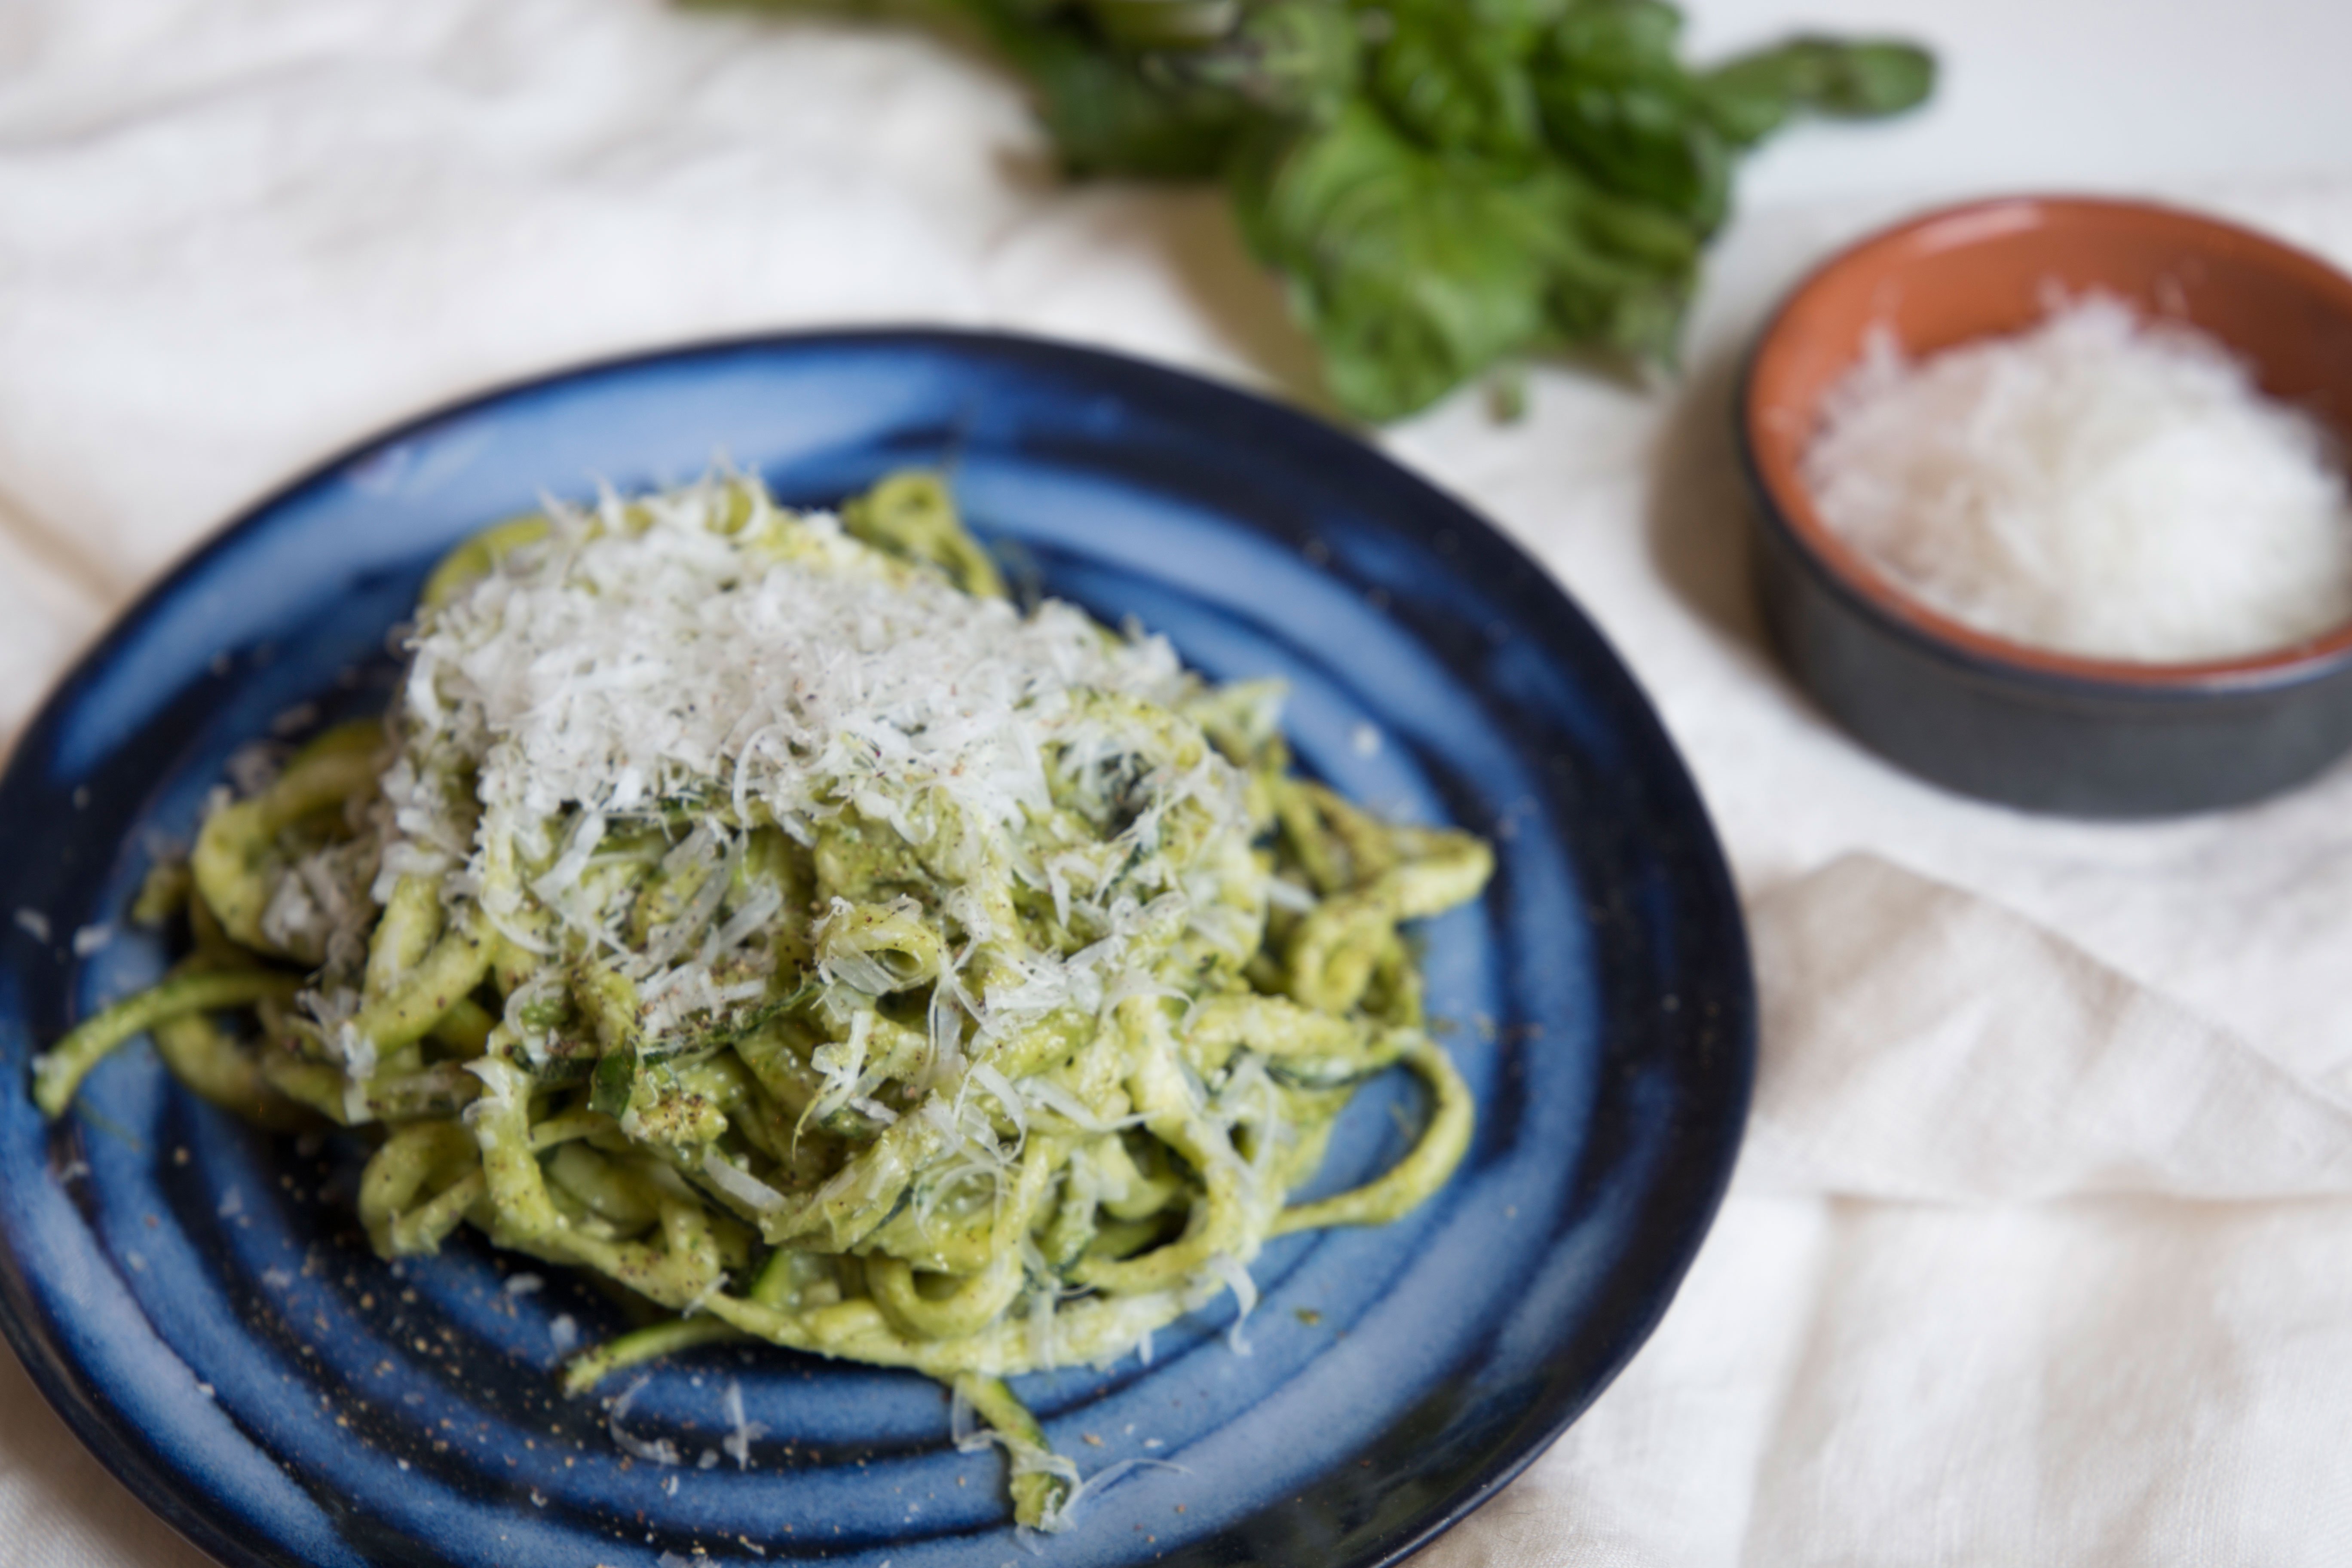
(1989, 269)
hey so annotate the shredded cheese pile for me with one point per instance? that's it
(2100, 485)
(762, 667)
(623, 664)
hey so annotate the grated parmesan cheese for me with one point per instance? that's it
(660, 1451)
(739, 1183)
(659, 654)
(1244, 1289)
(615, 668)
(2100, 485)
(740, 1433)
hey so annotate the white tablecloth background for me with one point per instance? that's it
(2041, 1248)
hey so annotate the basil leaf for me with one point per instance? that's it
(1288, 59)
(1107, 114)
(1457, 87)
(1631, 38)
(1445, 184)
(612, 1083)
(1416, 271)
(1412, 272)
(1750, 98)
(1163, 24)
(1617, 103)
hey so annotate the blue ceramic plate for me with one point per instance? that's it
(195, 1299)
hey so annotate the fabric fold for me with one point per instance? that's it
(2024, 1263)
(1922, 1042)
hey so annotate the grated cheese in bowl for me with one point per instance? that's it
(2100, 485)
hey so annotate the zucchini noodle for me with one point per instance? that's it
(757, 908)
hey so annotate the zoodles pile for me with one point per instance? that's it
(757, 908)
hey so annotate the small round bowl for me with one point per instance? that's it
(2028, 726)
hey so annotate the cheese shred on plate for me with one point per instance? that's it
(757, 908)
(2101, 484)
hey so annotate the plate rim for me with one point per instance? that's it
(113, 1440)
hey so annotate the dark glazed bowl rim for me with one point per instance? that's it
(1786, 508)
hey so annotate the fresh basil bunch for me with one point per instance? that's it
(1446, 184)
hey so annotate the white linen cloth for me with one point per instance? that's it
(2039, 1250)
